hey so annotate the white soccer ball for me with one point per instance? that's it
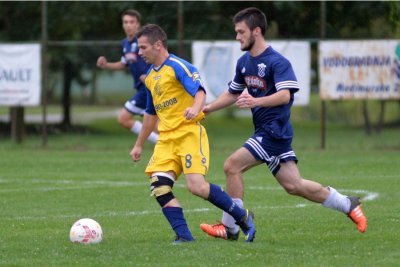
(86, 231)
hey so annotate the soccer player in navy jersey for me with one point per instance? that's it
(176, 98)
(138, 68)
(271, 85)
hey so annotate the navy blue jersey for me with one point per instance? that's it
(264, 75)
(136, 64)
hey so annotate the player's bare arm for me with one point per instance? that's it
(224, 100)
(149, 122)
(198, 104)
(281, 97)
(104, 64)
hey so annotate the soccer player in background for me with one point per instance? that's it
(138, 68)
(176, 97)
(271, 85)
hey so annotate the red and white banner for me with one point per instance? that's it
(20, 74)
(359, 69)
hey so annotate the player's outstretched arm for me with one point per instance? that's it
(224, 100)
(104, 64)
(281, 97)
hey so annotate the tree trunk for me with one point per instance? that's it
(66, 99)
(381, 116)
(93, 93)
(366, 117)
(17, 124)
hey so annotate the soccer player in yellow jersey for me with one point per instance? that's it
(176, 97)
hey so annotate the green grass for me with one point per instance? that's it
(43, 190)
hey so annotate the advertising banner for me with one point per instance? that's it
(20, 74)
(359, 69)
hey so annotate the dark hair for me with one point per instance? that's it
(132, 13)
(154, 33)
(253, 17)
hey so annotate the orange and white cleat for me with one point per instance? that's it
(218, 231)
(356, 214)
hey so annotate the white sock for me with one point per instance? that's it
(137, 126)
(337, 201)
(153, 137)
(229, 221)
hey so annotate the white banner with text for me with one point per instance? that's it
(359, 69)
(20, 74)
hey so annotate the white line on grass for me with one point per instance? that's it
(77, 185)
(73, 185)
(368, 195)
(90, 182)
(136, 213)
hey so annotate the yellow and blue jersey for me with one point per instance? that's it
(171, 89)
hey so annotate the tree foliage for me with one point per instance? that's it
(100, 20)
(20, 21)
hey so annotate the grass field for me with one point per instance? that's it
(43, 190)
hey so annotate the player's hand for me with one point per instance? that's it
(101, 62)
(190, 113)
(136, 152)
(206, 109)
(246, 101)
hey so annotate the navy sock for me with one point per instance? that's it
(177, 221)
(222, 200)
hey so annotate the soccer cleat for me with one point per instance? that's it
(247, 226)
(357, 215)
(179, 240)
(219, 231)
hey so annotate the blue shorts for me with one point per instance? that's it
(270, 150)
(137, 104)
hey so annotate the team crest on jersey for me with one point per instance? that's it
(261, 69)
(157, 89)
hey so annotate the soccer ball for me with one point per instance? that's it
(86, 231)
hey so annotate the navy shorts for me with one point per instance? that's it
(137, 104)
(270, 150)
